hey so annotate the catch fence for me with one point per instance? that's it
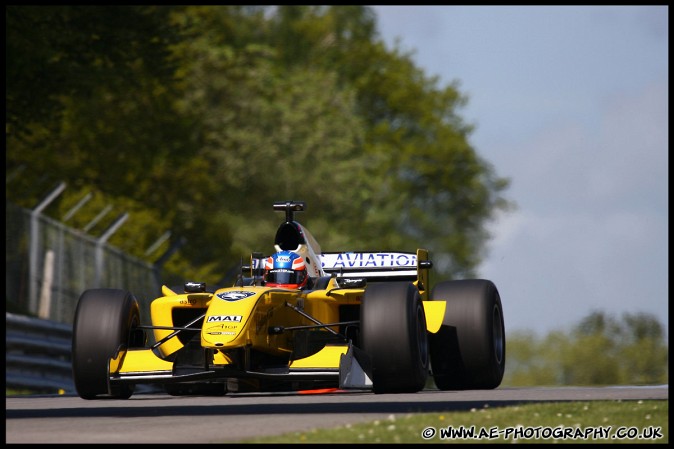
(49, 265)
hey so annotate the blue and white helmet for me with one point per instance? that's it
(285, 269)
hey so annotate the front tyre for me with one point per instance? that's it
(393, 334)
(468, 352)
(105, 324)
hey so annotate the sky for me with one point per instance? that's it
(571, 104)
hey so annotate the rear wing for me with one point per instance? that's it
(360, 267)
(376, 265)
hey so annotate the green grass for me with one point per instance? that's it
(648, 418)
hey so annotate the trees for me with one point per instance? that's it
(58, 52)
(600, 350)
(202, 116)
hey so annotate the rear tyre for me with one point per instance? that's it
(469, 350)
(393, 334)
(105, 324)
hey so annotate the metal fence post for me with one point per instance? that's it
(101, 241)
(77, 207)
(34, 245)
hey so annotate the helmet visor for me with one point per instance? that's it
(284, 276)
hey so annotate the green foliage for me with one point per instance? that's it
(526, 361)
(603, 422)
(54, 52)
(600, 350)
(194, 119)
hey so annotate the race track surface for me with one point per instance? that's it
(159, 418)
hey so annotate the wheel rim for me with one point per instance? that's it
(497, 333)
(423, 336)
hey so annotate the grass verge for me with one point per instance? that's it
(643, 421)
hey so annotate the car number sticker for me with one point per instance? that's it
(235, 295)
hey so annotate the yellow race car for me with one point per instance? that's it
(300, 319)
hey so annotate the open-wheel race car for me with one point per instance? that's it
(300, 319)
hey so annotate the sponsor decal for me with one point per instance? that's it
(235, 295)
(371, 260)
(223, 318)
(351, 282)
(222, 333)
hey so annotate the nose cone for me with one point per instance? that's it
(228, 315)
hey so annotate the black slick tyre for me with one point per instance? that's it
(469, 350)
(105, 320)
(393, 334)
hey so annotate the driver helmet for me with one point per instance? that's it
(285, 269)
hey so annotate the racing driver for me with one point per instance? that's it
(285, 269)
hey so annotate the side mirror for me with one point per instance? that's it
(195, 287)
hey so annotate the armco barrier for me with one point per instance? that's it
(38, 355)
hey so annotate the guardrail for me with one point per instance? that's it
(38, 354)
